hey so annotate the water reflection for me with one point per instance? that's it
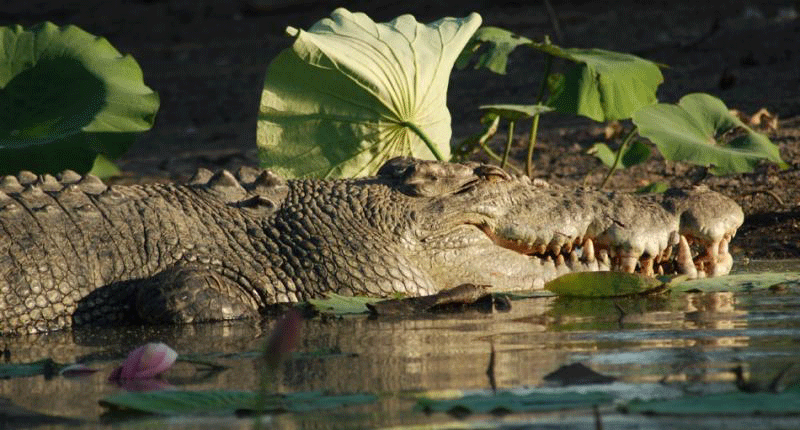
(687, 338)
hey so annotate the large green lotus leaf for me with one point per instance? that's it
(352, 93)
(604, 85)
(65, 97)
(690, 131)
(223, 402)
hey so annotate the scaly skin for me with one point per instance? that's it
(73, 251)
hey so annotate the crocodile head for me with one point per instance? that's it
(476, 223)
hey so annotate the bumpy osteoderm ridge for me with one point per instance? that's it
(75, 251)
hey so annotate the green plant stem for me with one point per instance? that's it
(494, 156)
(548, 62)
(531, 144)
(535, 124)
(509, 141)
(431, 146)
(621, 149)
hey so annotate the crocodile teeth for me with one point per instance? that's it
(685, 264)
(724, 261)
(588, 251)
(627, 263)
(647, 266)
(573, 258)
(667, 254)
(604, 260)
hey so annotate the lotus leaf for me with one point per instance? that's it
(351, 93)
(692, 131)
(65, 97)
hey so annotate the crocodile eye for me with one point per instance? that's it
(491, 173)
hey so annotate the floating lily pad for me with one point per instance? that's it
(342, 305)
(602, 284)
(44, 366)
(506, 402)
(733, 403)
(693, 130)
(352, 93)
(65, 97)
(744, 282)
(221, 402)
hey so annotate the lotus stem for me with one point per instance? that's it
(531, 144)
(535, 124)
(509, 141)
(621, 149)
(431, 146)
(493, 155)
(548, 62)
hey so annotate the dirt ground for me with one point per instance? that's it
(207, 60)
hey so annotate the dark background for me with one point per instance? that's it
(207, 60)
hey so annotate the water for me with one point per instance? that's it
(688, 341)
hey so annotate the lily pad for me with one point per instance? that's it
(352, 93)
(733, 403)
(745, 282)
(222, 402)
(693, 131)
(45, 366)
(65, 97)
(602, 284)
(342, 305)
(506, 402)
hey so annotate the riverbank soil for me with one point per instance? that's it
(207, 60)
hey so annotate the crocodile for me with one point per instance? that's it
(75, 251)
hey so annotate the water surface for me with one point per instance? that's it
(684, 342)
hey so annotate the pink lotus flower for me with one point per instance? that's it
(144, 362)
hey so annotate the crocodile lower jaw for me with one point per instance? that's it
(694, 257)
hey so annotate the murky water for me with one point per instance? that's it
(689, 341)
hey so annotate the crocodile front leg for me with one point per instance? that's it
(187, 294)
